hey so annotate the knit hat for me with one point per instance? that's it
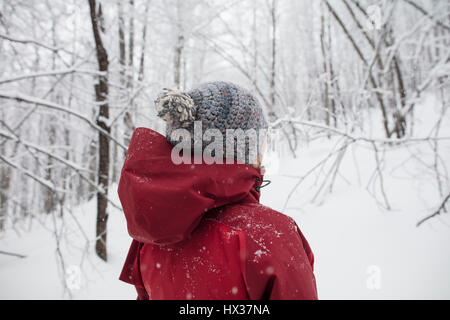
(218, 105)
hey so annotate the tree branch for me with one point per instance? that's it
(424, 12)
(436, 213)
(48, 104)
(50, 73)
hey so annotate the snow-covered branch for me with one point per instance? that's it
(62, 160)
(48, 104)
(437, 212)
(48, 184)
(34, 42)
(50, 73)
(335, 131)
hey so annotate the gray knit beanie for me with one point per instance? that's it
(218, 105)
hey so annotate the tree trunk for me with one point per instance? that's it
(334, 84)
(92, 159)
(5, 180)
(131, 47)
(326, 97)
(122, 48)
(101, 92)
(50, 197)
(255, 49)
(273, 17)
(141, 72)
(177, 60)
(372, 80)
(399, 120)
(178, 47)
(128, 118)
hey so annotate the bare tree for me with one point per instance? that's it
(179, 46)
(141, 72)
(101, 92)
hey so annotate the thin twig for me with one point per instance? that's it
(436, 213)
(12, 254)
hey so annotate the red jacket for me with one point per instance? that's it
(200, 232)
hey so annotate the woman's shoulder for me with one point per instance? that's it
(253, 217)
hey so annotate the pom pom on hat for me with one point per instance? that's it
(174, 105)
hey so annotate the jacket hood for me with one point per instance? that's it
(164, 202)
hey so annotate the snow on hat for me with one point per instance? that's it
(218, 105)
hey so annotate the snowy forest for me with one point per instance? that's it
(356, 89)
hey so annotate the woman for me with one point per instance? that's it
(198, 229)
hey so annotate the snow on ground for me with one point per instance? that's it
(38, 277)
(354, 239)
(362, 251)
